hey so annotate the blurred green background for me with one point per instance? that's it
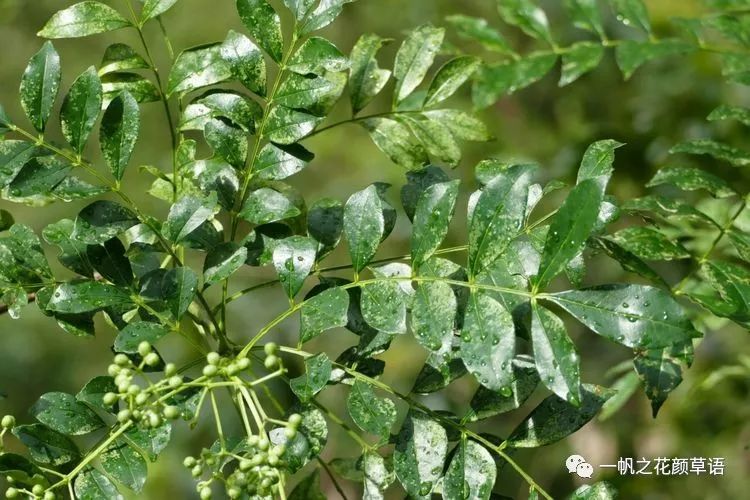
(664, 102)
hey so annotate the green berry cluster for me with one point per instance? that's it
(218, 366)
(38, 489)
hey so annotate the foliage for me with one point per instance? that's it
(491, 309)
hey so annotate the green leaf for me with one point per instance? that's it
(119, 132)
(125, 465)
(263, 23)
(450, 77)
(597, 491)
(384, 306)
(155, 8)
(300, 8)
(571, 227)
(294, 258)
(733, 284)
(597, 161)
(555, 418)
(371, 413)
(649, 244)
(93, 485)
(40, 85)
(581, 58)
(5, 122)
(436, 138)
(725, 112)
(266, 205)
(364, 225)
(431, 219)
(631, 54)
(325, 222)
(638, 316)
(227, 142)
(81, 108)
(18, 468)
(95, 389)
(13, 156)
(433, 314)
(741, 243)
(152, 441)
(318, 56)
(121, 57)
(629, 261)
(87, 296)
(245, 61)
(495, 80)
(279, 162)
(323, 15)
(62, 413)
(315, 94)
(130, 337)
(176, 287)
(378, 476)
(692, 179)
(366, 78)
(35, 182)
(478, 30)
(718, 150)
(632, 13)
(140, 88)
(223, 261)
(308, 488)
(322, 312)
(287, 126)
(396, 141)
(240, 110)
(198, 67)
(414, 58)
(498, 216)
(102, 221)
(110, 261)
(187, 215)
(555, 355)
(45, 445)
(488, 342)
(317, 373)
(418, 459)
(526, 15)
(487, 403)
(83, 19)
(661, 371)
(471, 473)
(462, 125)
(586, 15)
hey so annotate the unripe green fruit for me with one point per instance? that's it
(278, 450)
(271, 362)
(110, 398)
(271, 348)
(175, 381)
(11, 493)
(171, 412)
(154, 420)
(256, 460)
(263, 444)
(124, 416)
(245, 464)
(266, 483)
(152, 359)
(113, 370)
(206, 493)
(134, 389)
(234, 492)
(144, 348)
(189, 462)
(37, 490)
(295, 419)
(170, 369)
(232, 369)
(211, 461)
(197, 471)
(290, 432)
(49, 496)
(8, 422)
(273, 460)
(122, 360)
(213, 358)
(252, 441)
(243, 363)
(210, 370)
(141, 399)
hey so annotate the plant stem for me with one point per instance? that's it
(335, 482)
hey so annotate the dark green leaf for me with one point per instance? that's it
(317, 373)
(266, 205)
(325, 222)
(632, 13)
(571, 227)
(436, 138)
(83, 19)
(17, 468)
(432, 217)
(418, 181)
(93, 485)
(418, 459)
(733, 284)
(364, 225)
(300, 8)
(477, 29)
(627, 260)
(140, 88)
(315, 94)
(95, 389)
(37, 179)
(692, 179)
(597, 161)
(450, 77)
(527, 16)
(649, 244)
(74, 255)
(102, 221)
(487, 403)
(187, 215)
(366, 78)
(5, 122)
(6, 220)
(240, 110)
(223, 261)
(661, 371)
(555, 418)
(471, 473)
(287, 126)
(13, 156)
(45, 445)
(198, 67)
(293, 259)
(175, 286)
(498, 216)
(384, 306)
(324, 311)
(396, 141)
(81, 108)
(414, 59)
(721, 151)
(308, 488)
(279, 162)
(121, 57)
(131, 336)
(488, 342)
(323, 15)
(110, 261)
(631, 54)
(638, 316)
(581, 58)
(495, 80)
(318, 56)
(125, 465)
(586, 15)
(726, 112)
(61, 412)
(246, 61)
(433, 314)
(119, 132)
(741, 243)
(371, 413)
(555, 355)
(40, 84)
(154, 8)
(87, 296)
(264, 25)
(227, 142)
